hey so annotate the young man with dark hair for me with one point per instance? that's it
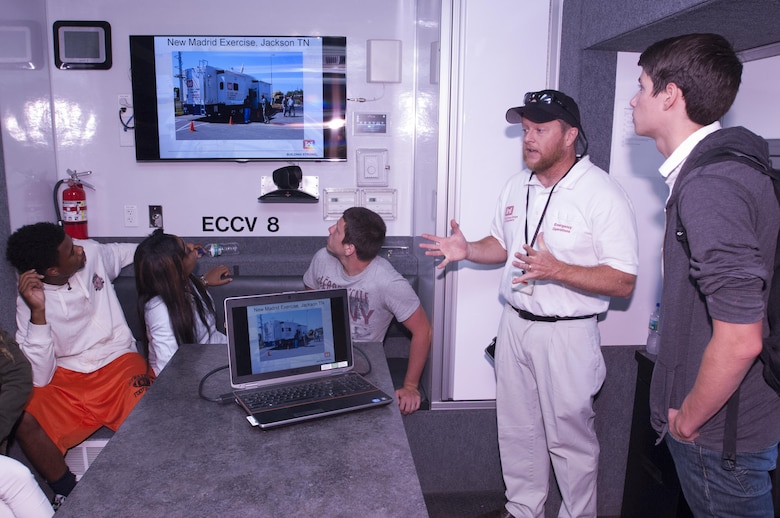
(713, 305)
(565, 232)
(71, 328)
(377, 292)
(365, 230)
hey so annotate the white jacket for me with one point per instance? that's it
(162, 341)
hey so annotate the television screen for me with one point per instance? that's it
(239, 97)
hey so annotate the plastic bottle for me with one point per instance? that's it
(653, 336)
(217, 249)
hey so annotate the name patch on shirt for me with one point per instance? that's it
(559, 227)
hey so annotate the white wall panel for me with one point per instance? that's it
(86, 126)
(499, 52)
(634, 163)
(25, 105)
(757, 106)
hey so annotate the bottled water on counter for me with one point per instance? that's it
(217, 249)
(653, 336)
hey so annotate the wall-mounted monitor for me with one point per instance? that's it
(273, 98)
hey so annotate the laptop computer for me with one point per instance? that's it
(281, 342)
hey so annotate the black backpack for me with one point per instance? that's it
(770, 352)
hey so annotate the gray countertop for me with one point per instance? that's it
(180, 455)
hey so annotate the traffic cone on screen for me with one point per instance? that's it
(192, 126)
(231, 120)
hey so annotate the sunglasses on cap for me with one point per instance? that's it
(546, 97)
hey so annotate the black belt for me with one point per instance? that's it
(536, 318)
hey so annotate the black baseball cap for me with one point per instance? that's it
(546, 106)
(549, 105)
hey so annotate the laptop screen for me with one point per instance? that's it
(273, 338)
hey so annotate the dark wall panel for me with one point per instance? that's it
(595, 30)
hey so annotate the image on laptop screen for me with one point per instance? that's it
(282, 335)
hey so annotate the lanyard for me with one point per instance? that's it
(544, 210)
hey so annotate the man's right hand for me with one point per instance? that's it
(453, 248)
(31, 290)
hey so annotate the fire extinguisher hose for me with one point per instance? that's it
(57, 211)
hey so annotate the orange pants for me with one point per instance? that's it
(75, 404)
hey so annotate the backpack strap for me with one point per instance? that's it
(770, 352)
(712, 156)
(728, 458)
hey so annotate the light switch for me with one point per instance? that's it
(372, 168)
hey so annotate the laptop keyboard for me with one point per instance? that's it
(306, 392)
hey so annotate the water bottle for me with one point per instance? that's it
(653, 336)
(217, 249)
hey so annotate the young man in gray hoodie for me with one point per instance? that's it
(722, 224)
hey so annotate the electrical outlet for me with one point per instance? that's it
(126, 121)
(131, 215)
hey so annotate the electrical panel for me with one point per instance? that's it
(382, 201)
(336, 201)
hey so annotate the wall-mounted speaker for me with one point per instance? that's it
(383, 61)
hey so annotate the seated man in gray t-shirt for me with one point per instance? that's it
(377, 292)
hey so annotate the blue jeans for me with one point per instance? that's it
(710, 490)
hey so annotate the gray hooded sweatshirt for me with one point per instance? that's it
(731, 218)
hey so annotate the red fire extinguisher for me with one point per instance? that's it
(73, 217)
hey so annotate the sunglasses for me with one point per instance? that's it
(542, 97)
(545, 98)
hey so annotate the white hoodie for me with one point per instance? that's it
(85, 326)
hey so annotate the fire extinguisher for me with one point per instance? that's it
(73, 217)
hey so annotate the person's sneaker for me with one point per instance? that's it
(58, 501)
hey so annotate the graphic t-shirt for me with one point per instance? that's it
(376, 295)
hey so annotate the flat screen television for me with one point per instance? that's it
(274, 98)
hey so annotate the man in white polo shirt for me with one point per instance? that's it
(566, 234)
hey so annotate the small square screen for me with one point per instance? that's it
(81, 44)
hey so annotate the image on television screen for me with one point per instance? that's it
(239, 97)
